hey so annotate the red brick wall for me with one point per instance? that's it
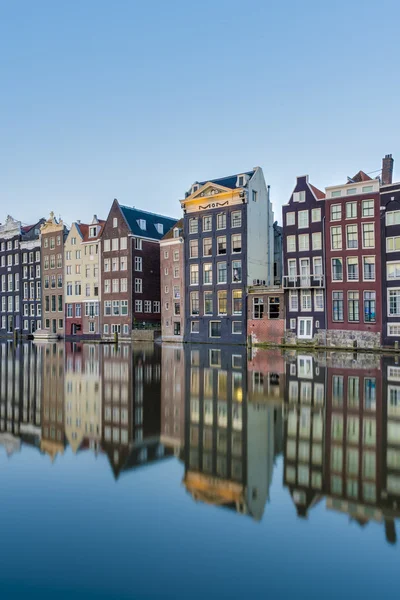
(265, 330)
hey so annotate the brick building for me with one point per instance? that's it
(353, 265)
(265, 315)
(172, 261)
(130, 270)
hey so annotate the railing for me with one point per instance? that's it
(303, 281)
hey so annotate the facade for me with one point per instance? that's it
(278, 254)
(229, 244)
(265, 315)
(53, 234)
(82, 258)
(20, 290)
(130, 270)
(353, 265)
(172, 261)
(303, 263)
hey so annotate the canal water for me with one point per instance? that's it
(198, 472)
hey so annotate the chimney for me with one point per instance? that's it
(387, 169)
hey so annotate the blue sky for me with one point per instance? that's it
(136, 100)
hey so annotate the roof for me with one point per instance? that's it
(170, 234)
(360, 176)
(133, 215)
(320, 195)
(229, 181)
(84, 229)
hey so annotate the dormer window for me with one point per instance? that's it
(92, 231)
(299, 197)
(142, 224)
(176, 232)
(160, 227)
(240, 181)
(195, 187)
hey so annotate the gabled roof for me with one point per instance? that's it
(229, 181)
(133, 215)
(360, 176)
(170, 234)
(320, 195)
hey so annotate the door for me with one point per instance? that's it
(304, 272)
(54, 326)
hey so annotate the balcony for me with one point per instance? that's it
(303, 281)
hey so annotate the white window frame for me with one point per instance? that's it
(305, 319)
(299, 219)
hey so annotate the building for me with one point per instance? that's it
(82, 257)
(130, 270)
(278, 254)
(229, 244)
(20, 291)
(265, 315)
(353, 265)
(53, 234)
(303, 264)
(172, 261)
(390, 253)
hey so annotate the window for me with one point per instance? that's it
(177, 309)
(305, 328)
(336, 238)
(368, 235)
(207, 223)
(351, 236)
(106, 247)
(156, 306)
(194, 274)
(316, 241)
(316, 215)
(69, 310)
(147, 306)
(367, 208)
(290, 218)
(317, 266)
(303, 219)
(176, 255)
(222, 272)
(221, 221)
(138, 263)
(208, 303)
(291, 243)
(115, 222)
(222, 302)
(293, 301)
(138, 306)
(393, 244)
(194, 327)
(194, 303)
(138, 286)
(236, 271)
(352, 268)
(304, 243)
(236, 218)
(237, 302)
(207, 247)
(370, 307)
(176, 272)
(351, 191)
(370, 393)
(207, 273)
(115, 307)
(319, 299)
(236, 243)
(142, 224)
(292, 323)
(193, 225)
(258, 308)
(351, 210)
(273, 307)
(299, 197)
(123, 263)
(393, 270)
(221, 245)
(215, 329)
(353, 300)
(369, 268)
(337, 298)
(254, 195)
(115, 263)
(305, 296)
(115, 286)
(393, 217)
(236, 327)
(193, 249)
(337, 269)
(177, 292)
(138, 243)
(336, 212)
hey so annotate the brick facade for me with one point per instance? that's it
(266, 316)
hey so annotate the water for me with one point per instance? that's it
(192, 472)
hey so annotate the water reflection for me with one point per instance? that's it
(225, 413)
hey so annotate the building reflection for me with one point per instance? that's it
(342, 436)
(173, 397)
(53, 439)
(229, 441)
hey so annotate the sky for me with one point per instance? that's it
(137, 100)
